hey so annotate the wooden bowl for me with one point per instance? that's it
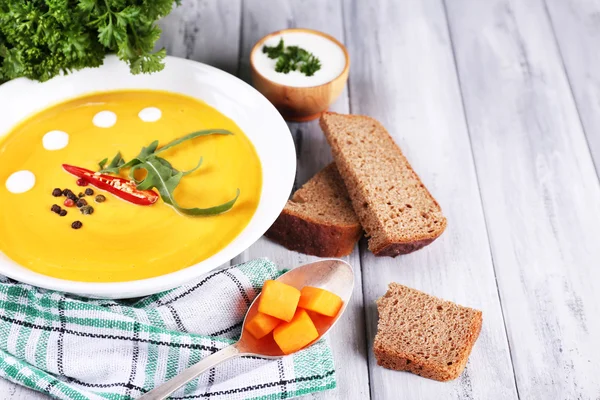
(300, 104)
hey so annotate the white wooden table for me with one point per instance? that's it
(497, 105)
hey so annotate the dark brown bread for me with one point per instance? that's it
(397, 212)
(423, 334)
(319, 219)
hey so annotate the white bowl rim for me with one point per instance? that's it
(256, 227)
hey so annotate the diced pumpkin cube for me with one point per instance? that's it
(321, 322)
(296, 334)
(279, 300)
(260, 325)
(320, 301)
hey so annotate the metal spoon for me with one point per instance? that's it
(333, 275)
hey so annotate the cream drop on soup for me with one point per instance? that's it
(331, 56)
(122, 241)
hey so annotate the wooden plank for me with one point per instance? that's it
(577, 30)
(348, 338)
(404, 75)
(540, 193)
(10, 391)
(206, 31)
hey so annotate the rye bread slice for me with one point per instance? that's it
(423, 334)
(318, 219)
(396, 210)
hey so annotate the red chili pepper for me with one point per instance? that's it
(122, 188)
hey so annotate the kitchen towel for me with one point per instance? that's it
(76, 348)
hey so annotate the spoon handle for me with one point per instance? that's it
(167, 388)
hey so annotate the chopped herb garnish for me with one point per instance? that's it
(292, 58)
(160, 174)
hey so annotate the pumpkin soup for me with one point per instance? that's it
(197, 185)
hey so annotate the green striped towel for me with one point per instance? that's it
(77, 348)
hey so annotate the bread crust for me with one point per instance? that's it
(397, 357)
(392, 246)
(400, 361)
(396, 249)
(312, 237)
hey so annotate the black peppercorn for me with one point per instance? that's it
(87, 210)
(81, 203)
(55, 208)
(57, 192)
(89, 192)
(100, 198)
(80, 195)
(71, 196)
(76, 225)
(65, 192)
(63, 213)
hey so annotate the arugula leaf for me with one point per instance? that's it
(144, 154)
(216, 210)
(115, 165)
(165, 180)
(194, 135)
(193, 169)
(161, 175)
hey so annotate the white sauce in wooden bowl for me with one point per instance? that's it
(332, 57)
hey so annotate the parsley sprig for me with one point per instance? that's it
(292, 58)
(160, 174)
(41, 38)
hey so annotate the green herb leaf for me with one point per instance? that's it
(144, 154)
(216, 210)
(274, 51)
(193, 169)
(115, 165)
(284, 65)
(160, 174)
(311, 66)
(102, 163)
(41, 38)
(194, 135)
(165, 180)
(292, 58)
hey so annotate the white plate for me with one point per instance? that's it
(253, 113)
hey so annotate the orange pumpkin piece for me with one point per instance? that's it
(320, 301)
(296, 334)
(261, 325)
(279, 300)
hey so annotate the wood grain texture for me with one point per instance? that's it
(348, 338)
(206, 31)
(540, 193)
(10, 391)
(529, 78)
(577, 30)
(403, 74)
